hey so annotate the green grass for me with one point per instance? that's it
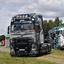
(58, 52)
(5, 58)
(55, 56)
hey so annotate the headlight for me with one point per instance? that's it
(32, 19)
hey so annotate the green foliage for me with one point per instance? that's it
(51, 24)
(2, 37)
(56, 22)
(45, 24)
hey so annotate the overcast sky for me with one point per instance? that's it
(48, 8)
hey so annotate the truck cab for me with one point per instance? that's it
(27, 35)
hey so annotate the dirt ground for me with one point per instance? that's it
(4, 49)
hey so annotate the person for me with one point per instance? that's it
(51, 42)
(56, 41)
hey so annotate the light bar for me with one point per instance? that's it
(23, 16)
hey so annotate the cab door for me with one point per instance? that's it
(41, 36)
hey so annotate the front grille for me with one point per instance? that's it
(23, 43)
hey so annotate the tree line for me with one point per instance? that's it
(49, 24)
(2, 37)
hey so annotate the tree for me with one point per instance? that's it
(2, 37)
(60, 22)
(50, 24)
(45, 24)
(56, 22)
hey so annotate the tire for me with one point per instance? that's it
(47, 50)
(12, 55)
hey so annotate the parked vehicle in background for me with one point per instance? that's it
(61, 38)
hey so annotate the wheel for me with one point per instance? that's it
(12, 55)
(47, 50)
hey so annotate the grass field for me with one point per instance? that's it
(56, 57)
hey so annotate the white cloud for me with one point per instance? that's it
(28, 8)
(48, 8)
(12, 1)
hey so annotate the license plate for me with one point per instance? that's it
(21, 49)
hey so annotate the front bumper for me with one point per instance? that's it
(23, 46)
(32, 52)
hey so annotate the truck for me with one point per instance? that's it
(60, 44)
(27, 35)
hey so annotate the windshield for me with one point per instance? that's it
(22, 27)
